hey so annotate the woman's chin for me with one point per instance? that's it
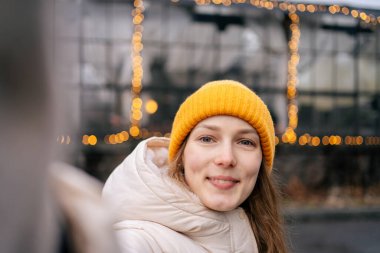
(220, 207)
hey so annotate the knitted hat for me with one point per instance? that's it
(224, 97)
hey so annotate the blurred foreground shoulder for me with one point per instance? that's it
(86, 222)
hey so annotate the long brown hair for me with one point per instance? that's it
(263, 213)
(261, 207)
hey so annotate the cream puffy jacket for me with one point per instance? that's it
(155, 214)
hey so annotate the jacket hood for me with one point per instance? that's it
(139, 189)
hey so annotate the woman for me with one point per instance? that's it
(208, 188)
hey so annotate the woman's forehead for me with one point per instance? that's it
(221, 122)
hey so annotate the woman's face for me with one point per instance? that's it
(222, 158)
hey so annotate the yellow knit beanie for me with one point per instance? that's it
(225, 97)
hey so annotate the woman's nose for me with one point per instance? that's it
(225, 156)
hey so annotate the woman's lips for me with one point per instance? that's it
(223, 182)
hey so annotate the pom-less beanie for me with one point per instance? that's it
(225, 97)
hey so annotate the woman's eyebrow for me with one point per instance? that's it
(210, 127)
(249, 131)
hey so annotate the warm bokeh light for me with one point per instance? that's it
(302, 140)
(138, 19)
(332, 9)
(151, 106)
(269, 5)
(301, 7)
(333, 140)
(227, 2)
(363, 16)
(137, 115)
(137, 3)
(217, 1)
(119, 138)
(137, 89)
(339, 140)
(106, 139)
(345, 11)
(315, 141)
(289, 136)
(292, 8)
(112, 139)
(85, 139)
(284, 138)
(310, 8)
(134, 131)
(92, 140)
(325, 140)
(138, 46)
(354, 13)
(125, 135)
(283, 6)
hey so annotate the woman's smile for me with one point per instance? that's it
(223, 182)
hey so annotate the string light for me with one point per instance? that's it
(123, 136)
(292, 7)
(305, 139)
(290, 135)
(336, 140)
(137, 69)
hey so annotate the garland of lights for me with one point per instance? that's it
(289, 136)
(137, 70)
(293, 7)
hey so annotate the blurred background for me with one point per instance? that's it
(123, 67)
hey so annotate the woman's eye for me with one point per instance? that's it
(205, 139)
(247, 142)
